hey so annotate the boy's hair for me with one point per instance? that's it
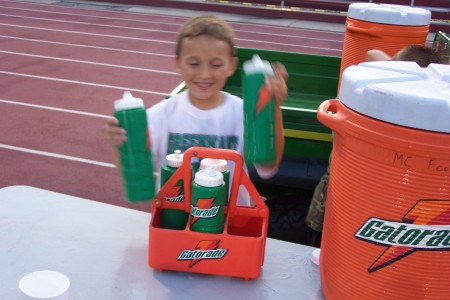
(206, 25)
(422, 55)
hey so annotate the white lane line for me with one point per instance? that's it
(90, 62)
(89, 23)
(85, 83)
(55, 108)
(85, 46)
(56, 155)
(88, 33)
(298, 109)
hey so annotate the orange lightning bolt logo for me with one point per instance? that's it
(425, 227)
(263, 99)
(205, 249)
(174, 194)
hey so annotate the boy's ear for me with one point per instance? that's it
(233, 66)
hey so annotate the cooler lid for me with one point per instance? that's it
(389, 14)
(400, 93)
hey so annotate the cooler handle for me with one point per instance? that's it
(331, 114)
(370, 32)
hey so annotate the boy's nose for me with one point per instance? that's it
(204, 72)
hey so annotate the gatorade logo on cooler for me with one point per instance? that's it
(425, 227)
(205, 249)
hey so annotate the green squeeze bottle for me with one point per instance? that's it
(208, 202)
(259, 112)
(173, 218)
(135, 153)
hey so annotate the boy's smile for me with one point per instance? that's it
(205, 63)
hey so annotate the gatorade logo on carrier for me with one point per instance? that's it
(425, 227)
(174, 194)
(205, 249)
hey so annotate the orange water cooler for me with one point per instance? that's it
(386, 229)
(385, 27)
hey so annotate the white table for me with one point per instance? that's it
(103, 250)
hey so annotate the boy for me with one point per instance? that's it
(422, 55)
(204, 115)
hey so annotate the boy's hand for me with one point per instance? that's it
(277, 83)
(115, 135)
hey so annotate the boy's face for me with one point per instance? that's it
(205, 63)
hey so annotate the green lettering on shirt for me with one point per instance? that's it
(180, 141)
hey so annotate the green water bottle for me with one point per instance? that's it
(220, 165)
(173, 218)
(208, 202)
(259, 112)
(135, 153)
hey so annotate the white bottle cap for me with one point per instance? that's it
(208, 178)
(220, 165)
(257, 65)
(128, 102)
(175, 159)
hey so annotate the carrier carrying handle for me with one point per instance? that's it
(184, 172)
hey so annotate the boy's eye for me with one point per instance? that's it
(217, 65)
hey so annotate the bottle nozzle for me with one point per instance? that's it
(257, 65)
(209, 172)
(128, 101)
(127, 96)
(177, 154)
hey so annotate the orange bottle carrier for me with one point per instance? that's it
(238, 251)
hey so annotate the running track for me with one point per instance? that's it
(61, 68)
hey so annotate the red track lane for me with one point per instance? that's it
(93, 29)
(68, 177)
(247, 36)
(123, 43)
(159, 19)
(95, 74)
(82, 98)
(56, 132)
(60, 48)
(95, 55)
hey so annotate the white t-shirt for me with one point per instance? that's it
(175, 124)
